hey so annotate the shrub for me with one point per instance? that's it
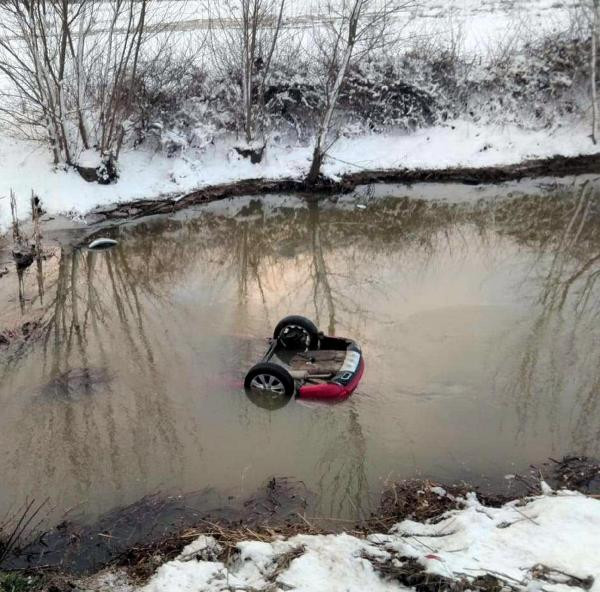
(181, 106)
(17, 582)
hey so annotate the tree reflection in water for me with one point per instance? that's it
(559, 363)
(94, 309)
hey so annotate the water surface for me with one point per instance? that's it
(478, 324)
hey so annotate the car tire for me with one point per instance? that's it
(270, 378)
(311, 330)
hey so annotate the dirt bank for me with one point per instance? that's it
(557, 166)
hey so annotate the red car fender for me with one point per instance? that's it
(332, 390)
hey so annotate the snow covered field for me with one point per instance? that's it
(483, 24)
(549, 543)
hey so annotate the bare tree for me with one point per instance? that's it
(72, 79)
(349, 30)
(593, 67)
(35, 47)
(244, 44)
(118, 63)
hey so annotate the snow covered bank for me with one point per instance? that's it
(548, 543)
(144, 174)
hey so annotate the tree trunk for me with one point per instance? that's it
(140, 38)
(315, 166)
(77, 57)
(319, 153)
(593, 68)
(266, 71)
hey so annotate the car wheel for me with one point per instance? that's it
(270, 378)
(297, 333)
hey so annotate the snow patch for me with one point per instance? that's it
(204, 547)
(440, 491)
(547, 542)
(89, 159)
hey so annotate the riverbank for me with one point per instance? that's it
(557, 166)
(424, 536)
(476, 547)
(149, 182)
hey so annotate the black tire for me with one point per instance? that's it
(261, 376)
(306, 325)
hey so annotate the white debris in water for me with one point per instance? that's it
(549, 543)
(102, 243)
(439, 491)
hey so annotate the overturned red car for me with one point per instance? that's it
(303, 360)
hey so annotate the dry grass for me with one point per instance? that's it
(410, 573)
(577, 472)
(15, 527)
(141, 562)
(420, 500)
(406, 499)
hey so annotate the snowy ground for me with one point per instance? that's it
(27, 167)
(549, 543)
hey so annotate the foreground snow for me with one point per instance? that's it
(26, 167)
(549, 543)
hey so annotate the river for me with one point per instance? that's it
(478, 322)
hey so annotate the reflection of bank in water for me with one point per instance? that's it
(342, 484)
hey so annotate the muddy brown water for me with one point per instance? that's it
(478, 321)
